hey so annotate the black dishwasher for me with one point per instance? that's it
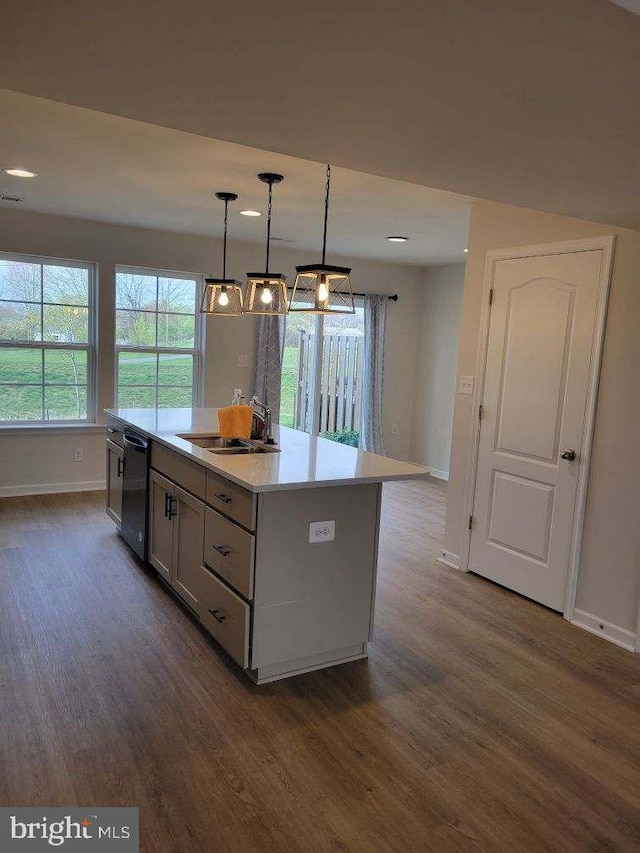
(133, 527)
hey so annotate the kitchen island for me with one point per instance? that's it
(273, 548)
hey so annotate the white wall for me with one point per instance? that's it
(44, 456)
(609, 579)
(434, 383)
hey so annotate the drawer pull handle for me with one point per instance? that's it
(168, 506)
(120, 466)
(172, 512)
(221, 497)
(111, 430)
(222, 549)
(214, 613)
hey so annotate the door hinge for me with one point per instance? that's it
(491, 297)
(480, 411)
(470, 522)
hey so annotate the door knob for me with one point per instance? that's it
(568, 454)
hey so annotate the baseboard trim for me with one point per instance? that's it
(438, 474)
(447, 558)
(51, 488)
(601, 628)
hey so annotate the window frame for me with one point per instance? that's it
(89, 347)
(198, 337)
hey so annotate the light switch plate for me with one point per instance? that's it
(243, 361)
(465, 384)
(322, 531)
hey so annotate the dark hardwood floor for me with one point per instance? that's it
(480, 722)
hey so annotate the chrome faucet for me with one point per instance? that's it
(261, 424)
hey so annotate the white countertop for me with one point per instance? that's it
(305, 461)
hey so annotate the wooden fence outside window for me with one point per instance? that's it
(340, 383)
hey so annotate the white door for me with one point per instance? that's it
(542, 351)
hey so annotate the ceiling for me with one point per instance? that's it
(534, 102)
(97, 166)
(631, 5)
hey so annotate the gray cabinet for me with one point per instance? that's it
(115, 470)
(229, 550)
(160, 530)
(188, 546)
(226, 616)
(279, 602)
(232, 500)
(115, 432)
(176, 536)
(313, 599)
(184, 472)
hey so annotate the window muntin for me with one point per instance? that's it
(157, 338)
(46, 340)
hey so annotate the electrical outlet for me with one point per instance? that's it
(243, 361)
(395, 429)
(465, 384)
(78, 455)
(322, 531)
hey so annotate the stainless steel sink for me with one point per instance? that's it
(228, 446)
(212, 441)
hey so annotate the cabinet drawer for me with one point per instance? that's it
(115, 432)
(232, 500)
(229, 551)
(226, 616)
(189, 475)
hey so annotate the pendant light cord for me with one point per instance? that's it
(224, 244)
(326, 214)
(269, 224)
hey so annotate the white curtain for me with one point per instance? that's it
(268, 362)
(375, 318)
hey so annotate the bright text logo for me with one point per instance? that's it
(38, 829)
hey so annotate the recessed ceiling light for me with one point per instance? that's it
(465, 251)
(21, 173)
(397, 239)
(250, 213)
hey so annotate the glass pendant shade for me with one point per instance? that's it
(322, 289)
(266, 293)
(222, 296)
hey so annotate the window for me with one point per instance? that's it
(157, 339)
(321, 389)
(46, 339)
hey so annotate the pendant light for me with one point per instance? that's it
(323, 288)
(223, 296)
(267, 291)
